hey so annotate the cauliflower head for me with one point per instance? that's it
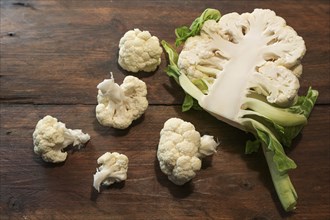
(180, 150)
(113, 168)
(139, 51)
(51, 137)
(257, 50)
(118, 106)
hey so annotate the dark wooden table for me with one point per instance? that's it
(54, 53)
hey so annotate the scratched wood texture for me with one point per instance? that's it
(54, 53)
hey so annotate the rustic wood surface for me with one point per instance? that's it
(54, 53)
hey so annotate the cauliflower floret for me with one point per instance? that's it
(113, 168)
(118, 106)
(50, 137)
(278, 84)
(181, 148)
(139, 51)
(208, 146)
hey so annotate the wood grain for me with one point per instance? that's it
(55, 52)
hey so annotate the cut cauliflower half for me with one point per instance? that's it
(113, 168)
(118, 106)
(181, 148)
(258, 51)
(51, 137)
(139, 51)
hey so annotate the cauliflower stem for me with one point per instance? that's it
(244, 69)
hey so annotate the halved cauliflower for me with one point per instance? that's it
(243, 53)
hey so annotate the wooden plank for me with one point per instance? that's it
(230, 185)
(58, 51)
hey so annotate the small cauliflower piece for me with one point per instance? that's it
(118, 106)
(113, 168)
(208, 146)
(51, 137)
(181, 148)
(139, 51)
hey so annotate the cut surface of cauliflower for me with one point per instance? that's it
(139, 51)
(51, 137)
(113, 168)
(181, 148)
(118, 106)
(242, 54)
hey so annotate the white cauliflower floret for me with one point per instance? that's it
(51, 137)
(118, 106)
(113, 168)
(181, 148)
(139, 51)
(279, 85)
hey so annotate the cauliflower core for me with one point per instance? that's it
(51, 137)
(118, 105)
(139, 51)
(113, 168)
(180, 150)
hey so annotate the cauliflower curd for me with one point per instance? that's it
(139, 51)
